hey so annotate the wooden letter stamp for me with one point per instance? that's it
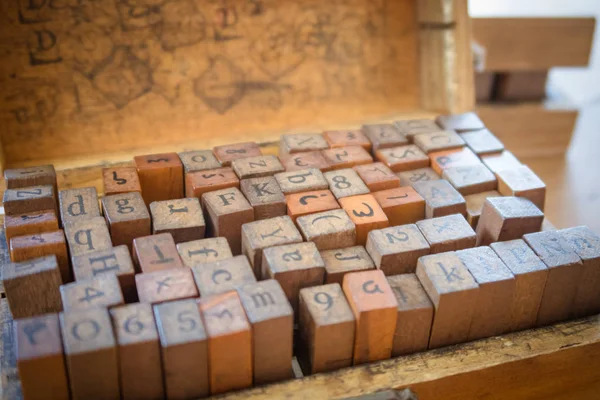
(257, 167)
(210, 180)
(30, 176)
(204, 251)
(223, 276)
(301, 161)
(377, 176)
(339, 262)
(299, 204)
(265, 196)
(304, 180)
(127, 217)
(402, 158)
(401, 205)
(436, 141)
(395, 250)
(117, 180)
(464, 122)
(194, 161)
(29, 199)
(170, 284)
(156, 253)
(24, 248)
(328, 230)
(447, 233)
(412, 127)
(301, 142)
(354, 137)
(347, 157)
(30, 223)
(87, 235)
(366, 214)
(440, 198)
(102, 291)
(470, 179)
(161, 176)
(182, 218)
(345, 183)
(77, 204)
(383, 136)
(409, 178)
(227, 153)
(441, 160)
(483, 142)
(522, 182)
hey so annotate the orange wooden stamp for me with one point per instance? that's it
(377, 176)
(29, 199)
(302, 161)
(27, 247)
(436, 141)
(227, 153)
(441, 160)
(383, 136)
(301, 142)
(366, 214)
(117, 180)
(30, 223)
(347, 157)
(339, 262)
(343, 138)
(299, 204)
(201, 182)
(156, 253)
(127, 217)
(87, 235)
(401, 205)
(403, 158)
(161, 176)
(31, 176)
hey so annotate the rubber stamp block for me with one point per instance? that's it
(184, 349)
(304, 180)
(29, 199)
(257, 167)
(377, 176)
(586, 244)
(196, 161)
(166, 285)
(31, 176)
(402, 158)
(440, 198)
(161, 176)
(395, 250)
(222, 276)
(522, 182)
(227, 153)
(482, 142)
(344, 138)
(265, 196)
(383, 136)
(28, 247)
(30, 223)
(415, 315)
(102, 291)
(437, 141)
(204, 251)
(327, 329)
(366, 214)
(501, 161)
(40, 359)
(299, 204)
(328, 230)
(301, 142)
(347, 157)
(530, 276)
(210, 180)
(470, 179)
(475, 205)
(448, 233)
(401, 205)
(497, 284)
(139, 351)
(77, 204)
(272, 319)
(412, 127)
(115, 261)
(339, 262)
(182, 218)
(91, 354)
(464, 122)
(453, 292)
(345, 183)
(294, 266)
(127, 217)
(117, 180)
(507, 218)
(227, 210)
(229, 342)
(375, 310)
(32, 287)
(409, 178)
(564, 276)
(441, 160)
(87, 235)
(302, 161)
(156, 253)
(259, 235)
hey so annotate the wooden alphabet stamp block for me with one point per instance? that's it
(530, 276)
(464, 122)
(301, 161)
(115, 261)
(204, 251)
(409, 178)
(343, 138)
(227, 210)
(327, 329)
(522, 182)
(377, 176)
(182, 218)
(257, 167)
(198, 160)
(492, 315)
(102, 291)
(117, 180)
(166, 285)
(91, 353)
(229, 342)
(30, 223)
(339, 262)
(345, 183)
(139, 351)
(328, 230)
(301, 142)
(259, 235)
(184, 349)
(77, 204)
(24, 248)
(40, 359)
(470, 179)
(453, 292)
(395, 250)
(402, 158)
(564, 275)
(29, 199)
(501, 161)
(375, 310)
(294, 266)
(366, 214)
(31, 176)
(127, 217)
(412, 127)
(507, 218)
(462, 157)
(87, 235)
(198, 183)
(448, 233)
(227, 153)
(272, 319)
(346, 157)
(161, 176)
(156, 253)
(304, 180)
(482, 142)
(440, 198)
(265, 196)
(32, 287)
(401, 205)
(299, 204)
(222, 276)
(415, 315)
(383, 136)
(436, 141)
(475, 205)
